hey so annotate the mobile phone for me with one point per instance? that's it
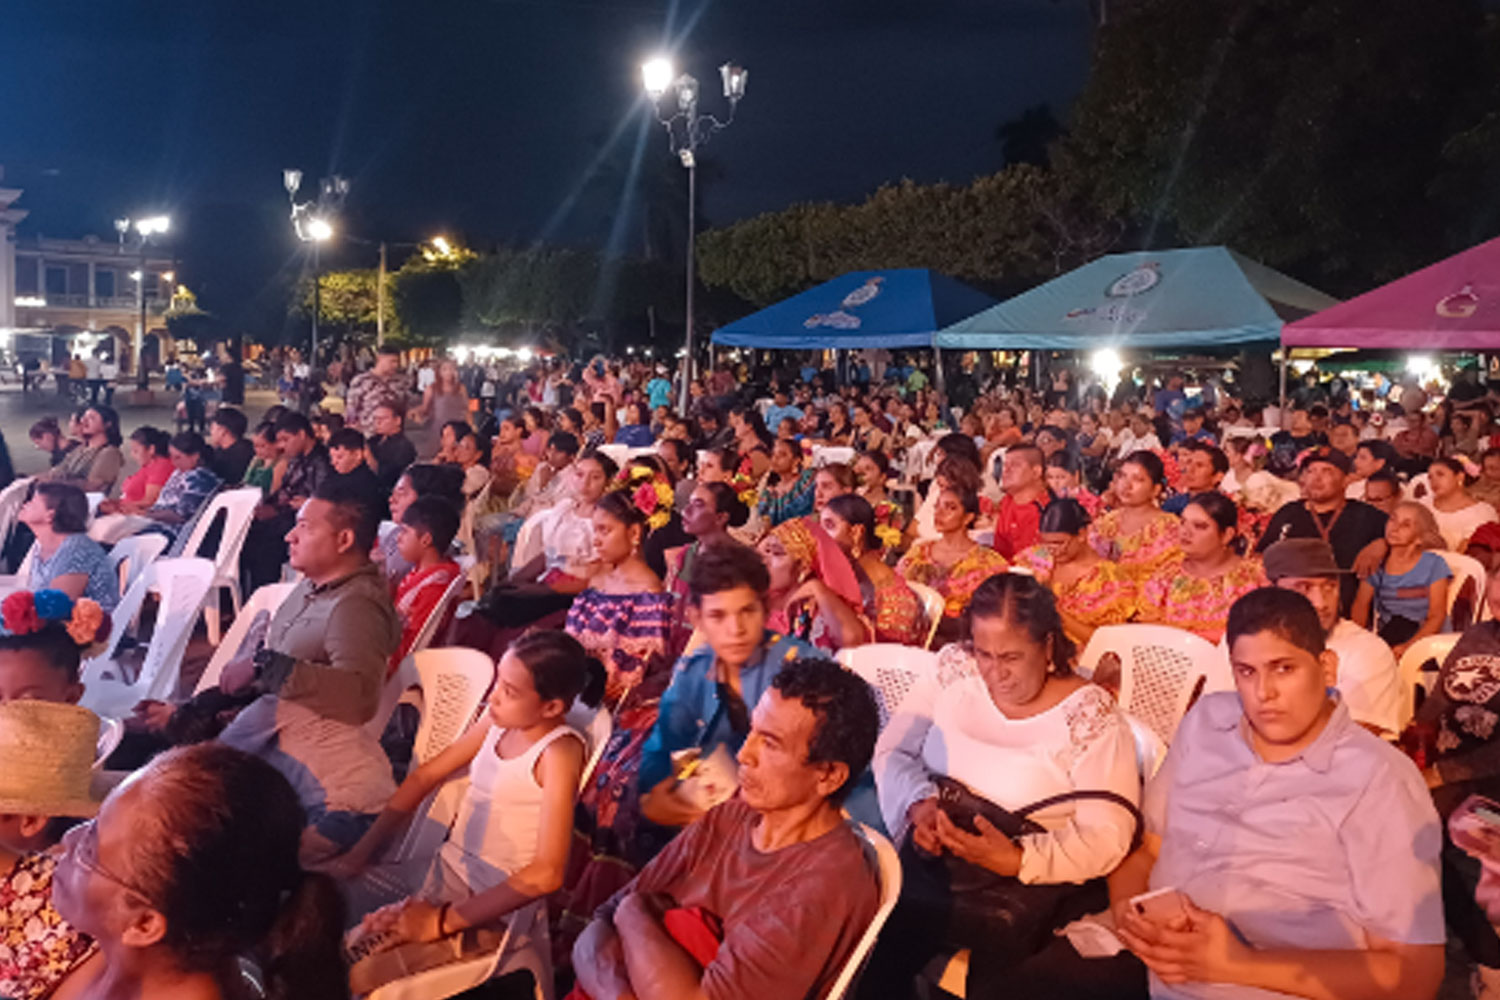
(1475, 829)
(1163, 906)
(958, 808)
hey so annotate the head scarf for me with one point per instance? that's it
(817, 554)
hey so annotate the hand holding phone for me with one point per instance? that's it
(1475, 829)
(1163, 907)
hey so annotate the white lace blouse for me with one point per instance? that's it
(948, 724)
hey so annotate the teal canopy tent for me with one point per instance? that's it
(1200, 297)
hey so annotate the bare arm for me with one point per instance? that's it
(599, 962)
(72, 584)
(659, 968)
(1363, 601)
(846, 626)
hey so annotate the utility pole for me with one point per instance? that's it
(380, 299)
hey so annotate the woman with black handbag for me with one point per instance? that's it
(1012, 787)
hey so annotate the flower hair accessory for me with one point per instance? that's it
(649, 492)
(25, 612)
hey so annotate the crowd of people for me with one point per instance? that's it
(703, 577)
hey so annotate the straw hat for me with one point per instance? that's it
(48, 749)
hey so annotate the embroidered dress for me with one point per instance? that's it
(1141, 552)
(1172, 596)
(37, 947)
(896, 612)
(1106, 594)
(956, 583)
(797, 502)
(417, 595)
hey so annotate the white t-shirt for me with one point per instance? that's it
(426, 375)
(1457, 525)
(1368, 677)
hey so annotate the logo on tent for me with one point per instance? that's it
(1135, 281)
(1117, 313)
(838, 319)
(1460, 305)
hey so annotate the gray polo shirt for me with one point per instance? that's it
(1315, 852)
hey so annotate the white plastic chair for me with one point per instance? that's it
(933, 607)
(182, 585)
(890, 669)
(438, 613)
(618, 453)
(454, 682)
(11, 499)
(1465, 569)
(829, 454)
(387, 529)
(111, 732)
(524, 946)
(1150, 751)
(1431, 647)
(267, 598)
(597, 725)
(1160, 667)
(132, 556)
(94, 499)
(239, 508)
(888, 875)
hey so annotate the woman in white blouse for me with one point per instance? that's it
(1004, 717)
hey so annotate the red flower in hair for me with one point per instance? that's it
(645, 499)
(18, 613)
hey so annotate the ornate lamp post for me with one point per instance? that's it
(313, 223)
(143, 229)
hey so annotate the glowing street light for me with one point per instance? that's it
(312, 222)
(144, 229)
(442, 246)
(319, 230)
(686, 131)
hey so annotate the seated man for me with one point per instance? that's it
(1368, 679)
(321, 673)
(351, 468)
(232, 450)
(1306, 848)
(306, 468)
(773, 884)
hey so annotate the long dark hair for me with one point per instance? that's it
(757, 423)
(857, 513)
(111, 423)
(1025, 603)
(222, 852)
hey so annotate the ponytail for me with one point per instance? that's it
(593, 683)
(302, 955)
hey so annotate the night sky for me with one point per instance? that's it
(484, 118)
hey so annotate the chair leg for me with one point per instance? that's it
(211, 616)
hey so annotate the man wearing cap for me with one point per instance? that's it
(1368, 679)
(1325, 512)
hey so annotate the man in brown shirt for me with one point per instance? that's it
(776, 873)
(321, 673)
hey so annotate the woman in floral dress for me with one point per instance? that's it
(953, 564)
(1137, 534)
(1091, 591)
(1194, 589)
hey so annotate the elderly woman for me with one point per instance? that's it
(893, 608)
(1195, 588)
(1137, 534)
(1000, 727)
(954, 564)
(1091, 591)
(814, 593)
(788, 492)
(64, 557)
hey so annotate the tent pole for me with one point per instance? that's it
(1284, 353)
(938, 380)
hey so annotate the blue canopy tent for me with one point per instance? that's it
(1201, 297)
(901, 307)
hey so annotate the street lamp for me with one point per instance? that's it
(144, 229)
(686, 131)
(312, 222)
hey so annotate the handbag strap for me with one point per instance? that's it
(1094, 794)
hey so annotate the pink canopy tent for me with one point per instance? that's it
(1454, 305)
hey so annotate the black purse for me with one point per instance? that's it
(1005, 917)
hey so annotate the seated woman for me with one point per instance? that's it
(1000, 725)
(893, 609)
(813, 594)
(95, 465)
(509, 843)
(832, 480)
(189, 488)
(636, 431)
(713, 509)
(1137, 534)
(1457, 513)
(1195, 588)
(1090, 591)
(788, 490)
(64, 557)
(1065, 479)
(209, 809)
(1409, 592)
(47, 436)
(954, 564)
(148, 448)
(268, 466)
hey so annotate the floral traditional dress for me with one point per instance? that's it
(1171, 596)
(37, 947)
(797, 502)
(1141, 553)
(1105, 595)
(956, 583)
(895, 611)
(631, 636)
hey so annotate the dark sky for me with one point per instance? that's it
(484, 117)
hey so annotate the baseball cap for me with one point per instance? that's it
(1325, 453)
(1300, 557)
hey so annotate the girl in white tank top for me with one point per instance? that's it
(510, 841)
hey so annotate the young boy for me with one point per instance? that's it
(427, 530)
(41, 666)
(351, 467)
(232, 453)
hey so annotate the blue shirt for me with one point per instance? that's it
(1313, 852)
(659, 392)
(691, 714)
(78, 554)
(1405, 595)
(635, 436)
(776, 414)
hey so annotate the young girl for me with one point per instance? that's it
(509, 844)
(1409, 593)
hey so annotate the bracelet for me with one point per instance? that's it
(443, 918)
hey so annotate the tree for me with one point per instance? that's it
(1026, 138)
(347, 300)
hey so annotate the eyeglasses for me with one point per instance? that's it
(84, 850)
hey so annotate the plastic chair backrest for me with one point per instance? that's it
(888, 875)
(94, 499)
(438, 613)
(933, 607)
(1160, 667)
(11, 499)
(132, 556)
(395, 686)
(829, 454)
(454, 682)
(618, 453)
(890, 669)
(111, 732)
(1150, 751)
(239, 508)
(1431, 647)
(597, 725)
(1466, 570)
(387, 529)
(182, 585)
(267, 598)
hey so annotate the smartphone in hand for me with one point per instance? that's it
(1164, 907)
(1475, 829)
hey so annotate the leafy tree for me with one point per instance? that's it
(347, 299)
(1026, 138)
